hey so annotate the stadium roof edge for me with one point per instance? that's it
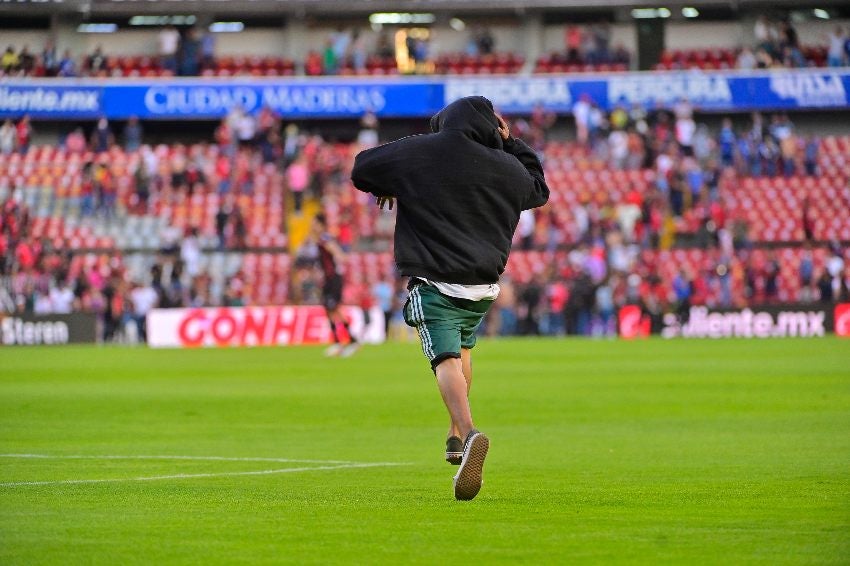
(105, 8)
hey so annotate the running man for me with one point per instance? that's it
(460, 191)
(330, 258)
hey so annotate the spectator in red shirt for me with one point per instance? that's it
(557, 294)
(24, 134)
(4, 249)
(224, 137)
(313, 64)
(573, 39)
(346, 232)
(25, 255)
(223, 172)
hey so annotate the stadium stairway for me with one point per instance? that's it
(299, 224)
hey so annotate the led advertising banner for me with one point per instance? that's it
(410, 97)
(772, 321)
(256, 326)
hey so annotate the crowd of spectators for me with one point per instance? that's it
(38, 278)
(33, 271)
(838, 52)
(610, 260)
(191, 51)
(777, 45)
(688, 159)
(352, 52)
(581, 292)
(591, 45)
(349, 49)
(184, 52)
(16, 136)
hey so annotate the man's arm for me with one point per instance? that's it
(374, 169)
(538, 191)
(363, 173)
(373, 173)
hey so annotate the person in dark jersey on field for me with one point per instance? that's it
(459, 191)
(330, 258)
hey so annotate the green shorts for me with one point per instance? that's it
(445, 324)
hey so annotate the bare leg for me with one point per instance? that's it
(331, 314)
(453, 388)
(466, 361)
(337, 320)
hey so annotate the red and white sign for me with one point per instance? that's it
(256, 326)
(632, 323)
(842, 319)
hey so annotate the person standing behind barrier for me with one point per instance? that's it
(144, 299)
(8, 136)
(168, 41)
(207, 51)
(581, 113)
(190, 56)
(835, 53)
(102, 138)
(24, 134)
(132, 134)
(298, 179)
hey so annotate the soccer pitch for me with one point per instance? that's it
(687, 452)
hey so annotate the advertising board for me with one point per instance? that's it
(256, 326)
(771, 321)
(47, 330)
(409, 97)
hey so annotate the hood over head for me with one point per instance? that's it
(472, 115)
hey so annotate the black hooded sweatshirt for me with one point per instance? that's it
(459, 191)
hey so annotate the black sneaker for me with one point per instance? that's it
(468, 480)
(454, 450)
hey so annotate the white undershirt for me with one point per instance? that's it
(469, 292)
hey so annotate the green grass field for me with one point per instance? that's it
(688, 452)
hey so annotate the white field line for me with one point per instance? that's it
(329, 465)
(168, 457)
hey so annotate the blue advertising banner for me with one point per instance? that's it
(707, 91)
(409, 97)
(54, 99)
(204, 98)
(294, 99)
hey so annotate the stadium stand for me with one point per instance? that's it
(649, 206)
(491, 63)
(148, 66)
(711, 59)
(598, 47)
(53, 219)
